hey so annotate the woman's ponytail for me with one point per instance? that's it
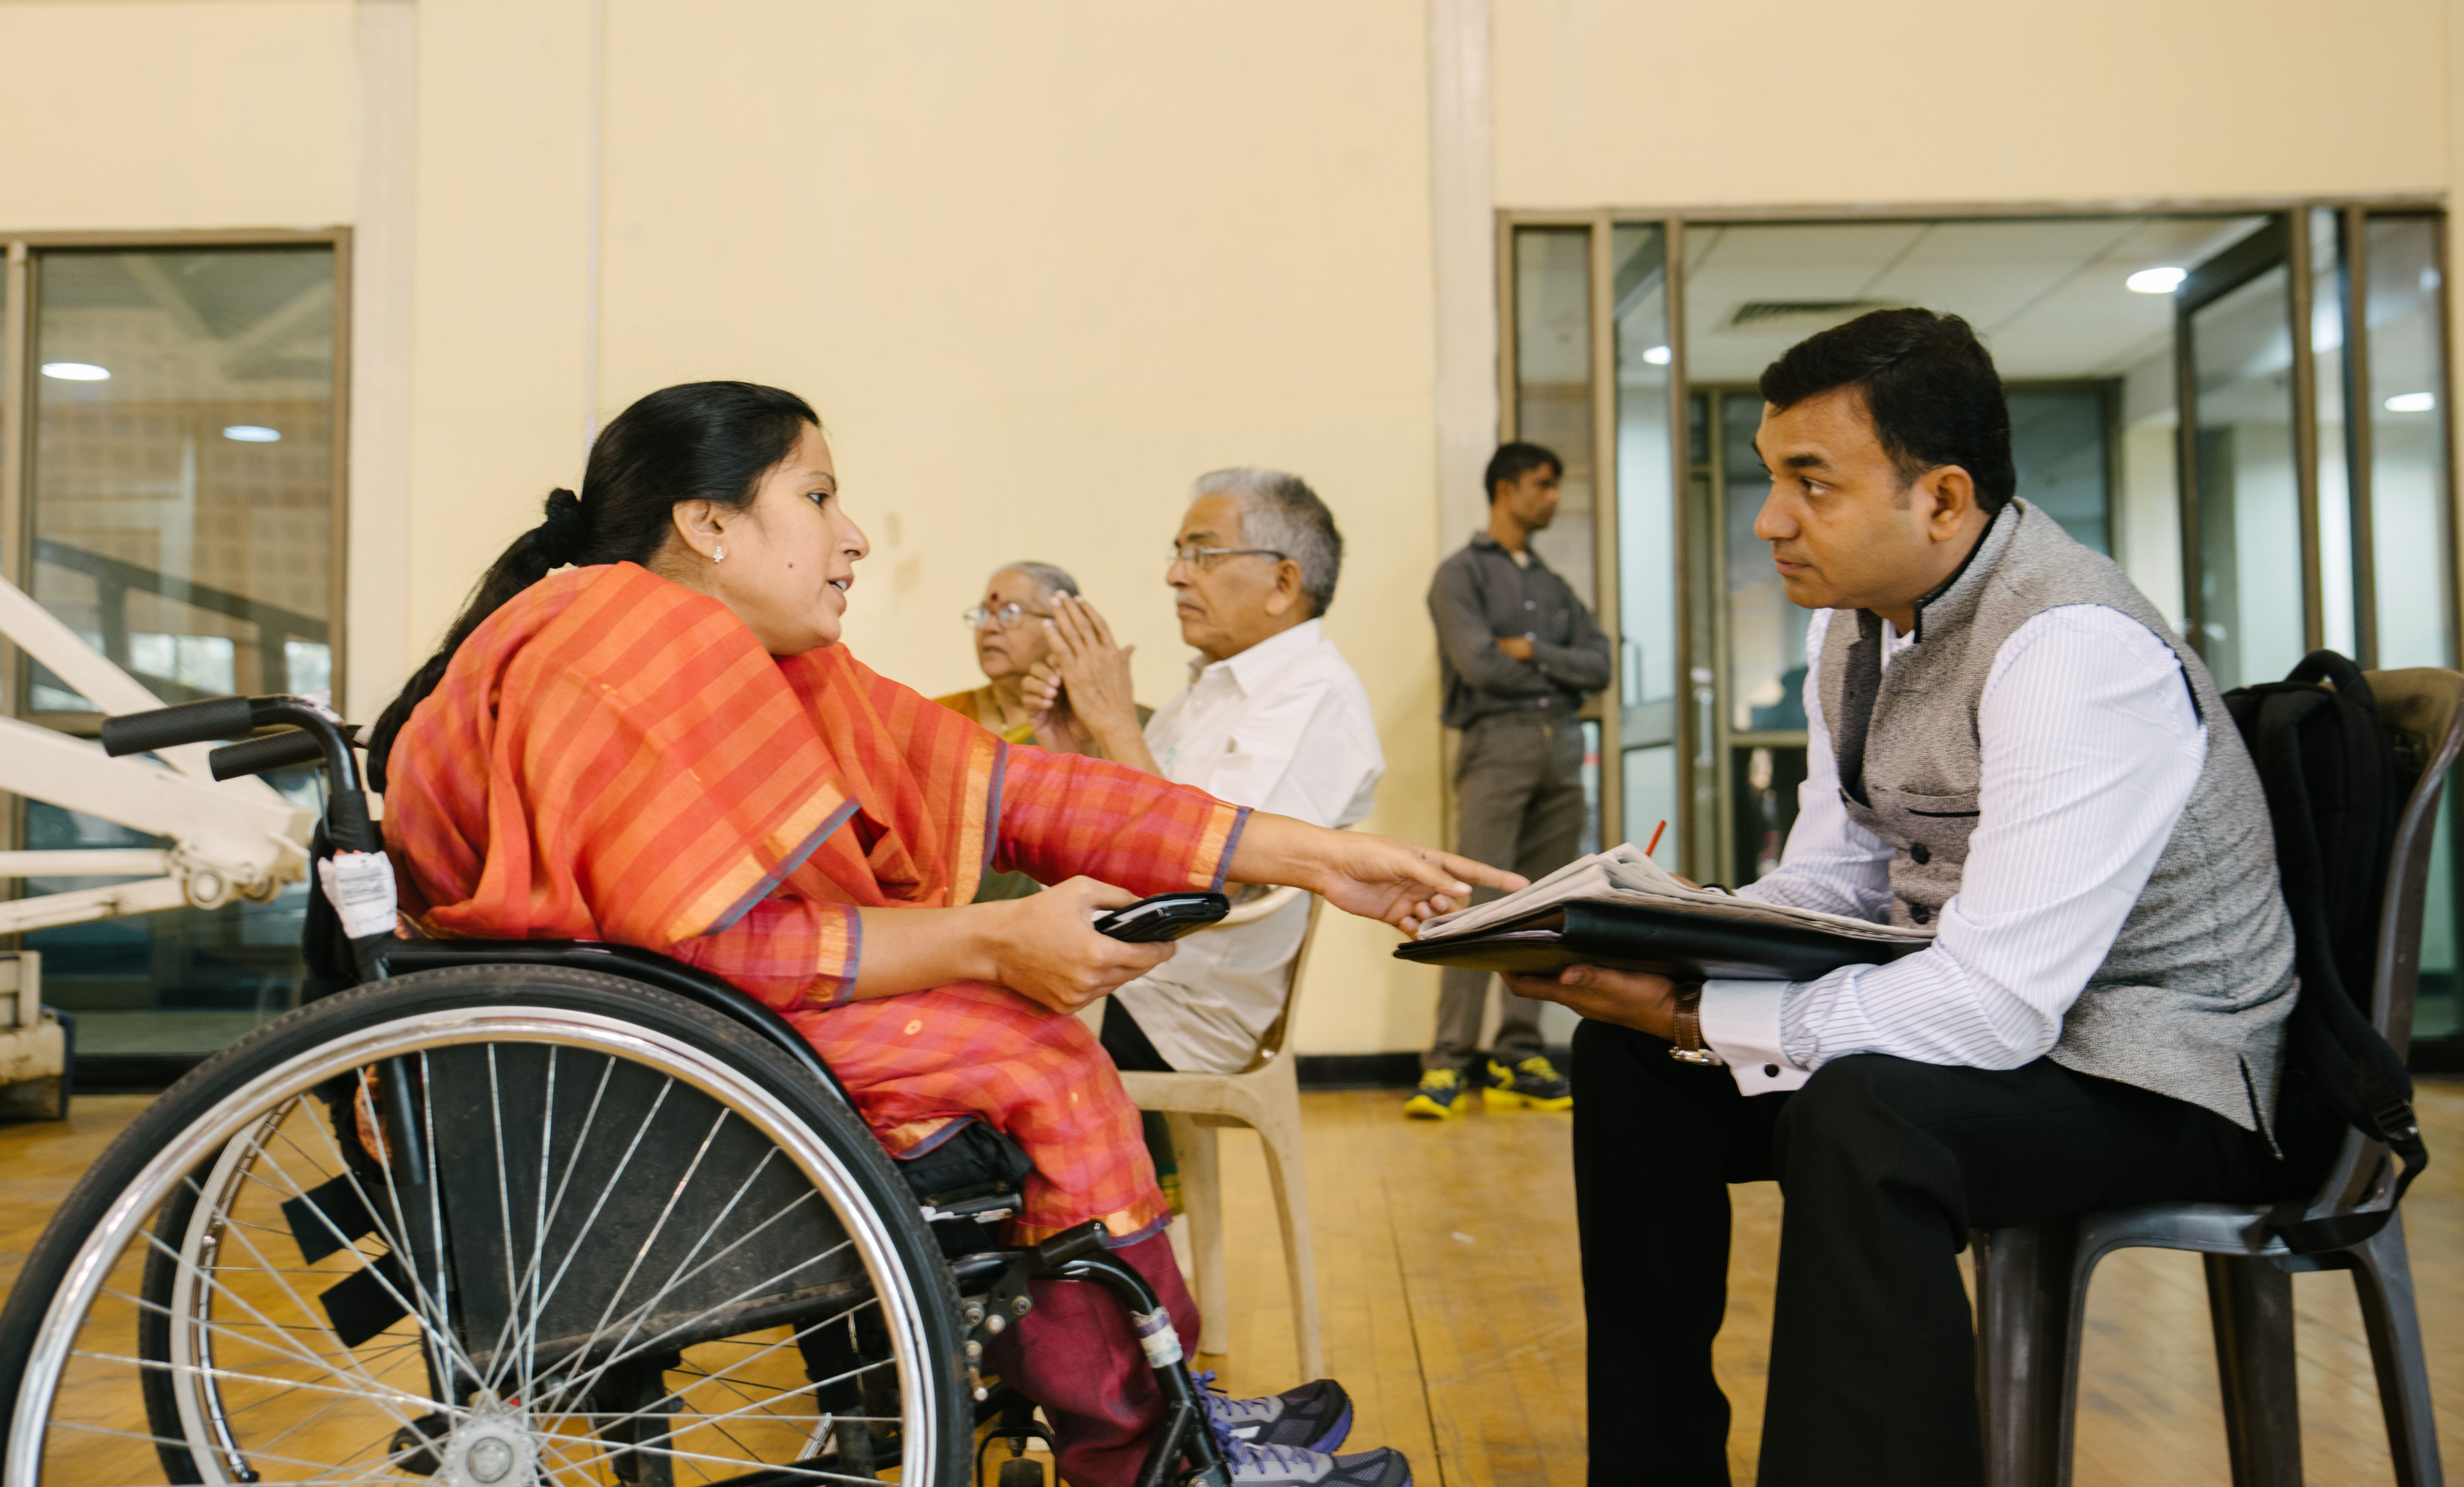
(701, 441)
(534, 555)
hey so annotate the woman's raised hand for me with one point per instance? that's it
(1049, 951)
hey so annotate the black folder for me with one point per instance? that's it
(1671, 939)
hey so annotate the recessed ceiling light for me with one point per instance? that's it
(77, 371)
(253, 433)
(2157, 281)
(1657, 356)
(2413, 402)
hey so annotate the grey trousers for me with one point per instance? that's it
(1519, 805)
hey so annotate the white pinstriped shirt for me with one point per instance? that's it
(2090, 747)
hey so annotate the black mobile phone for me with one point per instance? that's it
(1167, 916)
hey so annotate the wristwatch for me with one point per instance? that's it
(1687, 1047)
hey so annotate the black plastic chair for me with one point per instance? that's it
(2032, 1279)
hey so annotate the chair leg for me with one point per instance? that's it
(2382, 1283)
(1280, 1133)
(2250, 1303)
(1201, 1193)
(2024, 1352)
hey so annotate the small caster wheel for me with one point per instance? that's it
(1021, 1472)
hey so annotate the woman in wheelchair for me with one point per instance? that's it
(644, 730)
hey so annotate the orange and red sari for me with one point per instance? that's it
(614, 757)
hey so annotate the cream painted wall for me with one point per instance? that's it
(152, 114)
(1605, 103)
(1036, 268)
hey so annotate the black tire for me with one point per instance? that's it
(477, 1040)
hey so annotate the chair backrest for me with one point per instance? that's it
(1278, 1033)
(2424, 707)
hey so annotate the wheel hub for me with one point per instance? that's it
(494, 1447)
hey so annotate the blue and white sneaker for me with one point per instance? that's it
(1290, 1466)
(1313, 1417)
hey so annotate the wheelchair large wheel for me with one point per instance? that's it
(489, 1225)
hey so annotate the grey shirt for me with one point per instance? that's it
(1481, 596)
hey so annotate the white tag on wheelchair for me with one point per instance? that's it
(1157, 1336)
(360, 885)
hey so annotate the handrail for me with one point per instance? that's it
(116, 577)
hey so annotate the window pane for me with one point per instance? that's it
(2060, 445)
(2337, 573)
(2408, 413)
(182, 509)
(1766, 631)
(2249, 510)
(184, 464)
(1553, 393)
(1646, 539)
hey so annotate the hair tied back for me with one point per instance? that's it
(564, 534)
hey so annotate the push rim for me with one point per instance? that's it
(233, 1136)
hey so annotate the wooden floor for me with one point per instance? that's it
(1453, 1310)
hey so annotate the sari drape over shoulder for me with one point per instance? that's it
(612, 756)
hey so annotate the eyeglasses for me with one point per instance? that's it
(1203, 558)
(1006, 617)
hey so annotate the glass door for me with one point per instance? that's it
(2249, 493)
(1650, 768)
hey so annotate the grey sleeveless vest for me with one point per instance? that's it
(2191, 999)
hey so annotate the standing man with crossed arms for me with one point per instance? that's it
(1519, 653)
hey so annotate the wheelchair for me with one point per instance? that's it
(515, 1214)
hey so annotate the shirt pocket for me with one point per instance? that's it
(1936, 826)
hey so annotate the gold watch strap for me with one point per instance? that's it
(1688, 1045)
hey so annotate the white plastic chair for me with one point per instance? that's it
(1265, 1097)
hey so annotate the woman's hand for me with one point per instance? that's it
(1628, 998)
(1047, 950)
(1374, 877)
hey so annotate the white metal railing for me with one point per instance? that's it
(232, 838)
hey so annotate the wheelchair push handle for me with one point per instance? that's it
(320, 735)
(284, 750)
(348, 825)
(190, 722)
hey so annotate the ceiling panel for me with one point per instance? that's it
(2047, 295)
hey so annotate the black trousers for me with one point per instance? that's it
(1885, 1166)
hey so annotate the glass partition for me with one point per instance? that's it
(1553, 385)
(2156, 367)
(2247, 500)
(1647, 579)
(182, 501)
(2407, 407)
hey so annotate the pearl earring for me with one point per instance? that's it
(719, 553)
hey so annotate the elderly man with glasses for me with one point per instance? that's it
(1274, 718)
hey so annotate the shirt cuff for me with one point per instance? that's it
(1740, 1024)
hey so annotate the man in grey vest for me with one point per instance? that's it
(2007, 745)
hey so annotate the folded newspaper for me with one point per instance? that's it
(1620, 908)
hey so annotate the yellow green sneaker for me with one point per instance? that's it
(1533, 1084)
(1436, 1099)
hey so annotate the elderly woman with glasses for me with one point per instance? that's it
(1010, 642)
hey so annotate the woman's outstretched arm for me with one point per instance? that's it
(1380, 877)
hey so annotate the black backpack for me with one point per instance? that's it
(2336, 784)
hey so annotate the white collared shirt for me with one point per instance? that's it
(1284, 726)
(2090, 749)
